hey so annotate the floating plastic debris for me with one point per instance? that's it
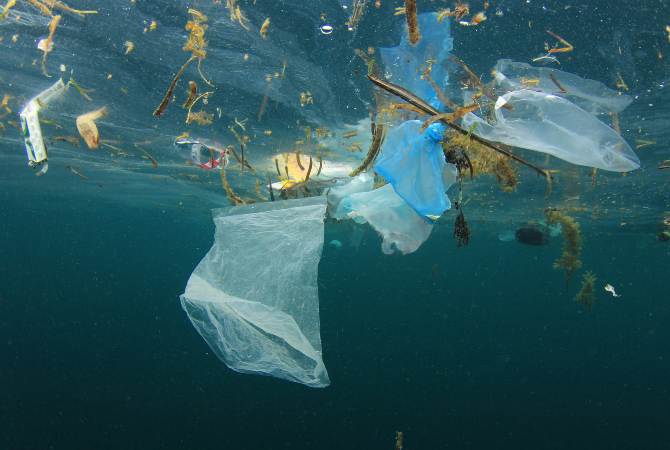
(30, 124)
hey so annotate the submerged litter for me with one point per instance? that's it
(205, 153)
(30, 124)
(405, 62)
(361, 183)
(413, 163)
(553, 112)
(254, 296)
(392, 217)
(590, 95)
(551, 124)
(324, 173)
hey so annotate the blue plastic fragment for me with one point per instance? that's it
(413, 163)
(405, 62)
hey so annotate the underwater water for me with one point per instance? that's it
(481, 346)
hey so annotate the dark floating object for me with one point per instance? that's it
(462, 230)
(531, 236)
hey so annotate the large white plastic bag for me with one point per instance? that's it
(254, 296)
(396, 221)
(551, 124)
(413, 162)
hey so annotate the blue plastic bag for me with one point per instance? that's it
(413, 163)
(404, 63)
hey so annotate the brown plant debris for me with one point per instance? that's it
(585, 294)
(572, 245)
(461, 230)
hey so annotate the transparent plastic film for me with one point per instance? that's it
(254, 297)
(551, 124)
(400, 227)
(590, 95)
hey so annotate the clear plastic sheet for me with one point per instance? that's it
(551, 124)
(590, 95)
(361, 183)
(254, 296)
(391, 216)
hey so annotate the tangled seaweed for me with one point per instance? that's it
(480, 160)
(585, 294)
(572, 245)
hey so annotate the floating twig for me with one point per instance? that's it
(372, 152)
(440, 94)
(309, 171)
(547, 173)
(75, 171)
(453, 116)
(231, 149)
(258, 192)
(297, 159)
(478, 83)
(409, 108)
(562, 89)
(81, 91)
(277, 166)
(229, 191)
(47, 45)
(166, 101)
(272, 195)
(567, 47)
(191, 97)
(320, 162)
(357, 12)
(643, 143)
(153, 161)
(467, 136)
(593, 177)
